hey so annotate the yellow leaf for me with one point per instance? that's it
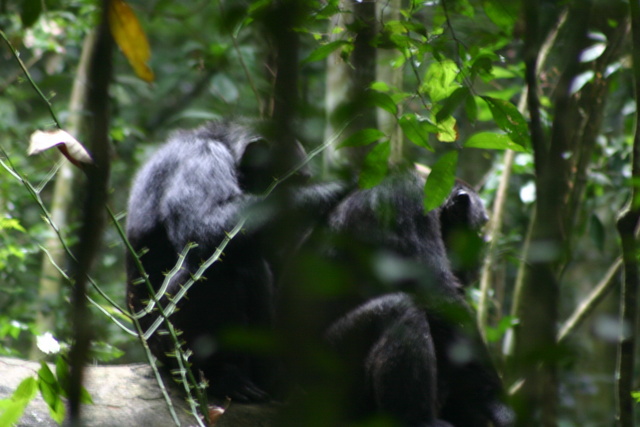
(130, 37)
(447, 130)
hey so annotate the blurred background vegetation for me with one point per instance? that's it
(211, 59)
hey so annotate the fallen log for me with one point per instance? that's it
(125, 395)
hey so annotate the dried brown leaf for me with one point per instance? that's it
(70, 147)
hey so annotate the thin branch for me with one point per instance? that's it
(627, 224)
(497, 214)
(589, 304)
(16, 55)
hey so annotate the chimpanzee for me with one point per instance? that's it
(367, 274)
(194, 190)
(378, 284)
(461, 218)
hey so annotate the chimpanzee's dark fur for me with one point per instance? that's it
(371, 285)
(194, 189)
(411, 339)
(461, 217)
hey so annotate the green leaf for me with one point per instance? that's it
(11, 224)
(417, 131)
(57, 411)
(51, 392)
(492, 141)
(471, 108)
(509, 119)
(375, 166)
(323, 51)
(30, 12)
(11, 411)
(45, 374)
(383, 101)
(440, 181)
(26, 390)
(439, 80)
(85, 397)
(452, 102)
(361, 138)
(464, 7)
(62, 374)
(380, 87)
(496, 333)
(502, 13)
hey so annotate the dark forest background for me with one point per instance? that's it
(535, 98)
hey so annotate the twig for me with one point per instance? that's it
(26, 73)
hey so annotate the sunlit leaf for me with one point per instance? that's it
(380, 86)
(73, 150)
(26, 390)
(493, 334)
(492, 141)
(439, 80)
(130, 37)
(440, 180)
(11, 411)
(447, 130)
(11, 224)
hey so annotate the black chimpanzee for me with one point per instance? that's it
(194, 190)
(461, 217)
(378, 284)
(372, 280)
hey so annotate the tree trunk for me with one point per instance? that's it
(348, 83)
(536, 296)
(51, 281)
(627, 225)
(93, 213)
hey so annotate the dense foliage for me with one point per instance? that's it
(453, 76)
